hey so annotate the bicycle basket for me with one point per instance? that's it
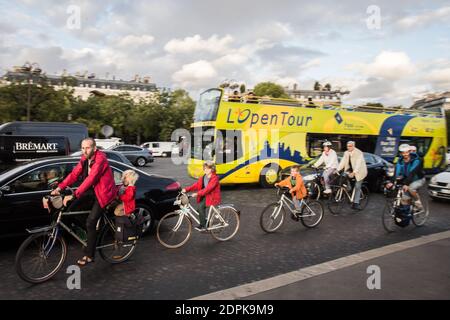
(184, 200)
(403, 215)
(53, 202)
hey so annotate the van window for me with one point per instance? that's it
(155, 145)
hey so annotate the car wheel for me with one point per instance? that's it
(269, 175)
(140, 162)
(148, 217)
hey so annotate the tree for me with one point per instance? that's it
(270, 89)
(317, 86)
(327, 87)
(242, 88)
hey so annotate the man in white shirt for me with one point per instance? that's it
(354, 164)
(330, 159)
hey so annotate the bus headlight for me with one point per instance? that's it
(390, 172)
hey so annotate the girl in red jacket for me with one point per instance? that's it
(208, 188)
(127, 194)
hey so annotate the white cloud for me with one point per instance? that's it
(195, 73)
(133, 41)
(388, 65)
(426, 18)
(213, 44)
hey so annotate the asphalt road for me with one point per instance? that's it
(204, 265)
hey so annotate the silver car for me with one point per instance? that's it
(439, 186)
(137, 155)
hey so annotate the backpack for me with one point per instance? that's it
(403, 215)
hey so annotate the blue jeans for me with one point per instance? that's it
(358, 185)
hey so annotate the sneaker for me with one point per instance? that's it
(294, 215)
(356, 206)
(327, 191)
(200, 228)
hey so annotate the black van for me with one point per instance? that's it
(75, 132)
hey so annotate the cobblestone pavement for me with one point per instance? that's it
(204, 265)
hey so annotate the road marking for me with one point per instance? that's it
(249, 289)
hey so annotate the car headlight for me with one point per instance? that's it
(309, 177)
(390, 172)
(433, 180)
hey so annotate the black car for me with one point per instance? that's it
(137, 155)
(111, 155)
(22, 189)
(377, 170)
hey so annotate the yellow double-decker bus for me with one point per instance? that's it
(251, 140)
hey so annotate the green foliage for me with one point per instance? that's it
(134, 122)
(270, 89)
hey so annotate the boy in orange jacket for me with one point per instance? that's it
(296, 186)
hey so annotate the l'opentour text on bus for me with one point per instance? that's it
(250, 141)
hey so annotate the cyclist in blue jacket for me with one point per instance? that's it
(410, 168)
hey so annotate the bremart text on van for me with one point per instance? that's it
(33, 146)
(283, 118)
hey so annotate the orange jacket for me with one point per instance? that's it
(299, 190)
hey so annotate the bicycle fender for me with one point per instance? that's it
(39, 229)
(229, 206)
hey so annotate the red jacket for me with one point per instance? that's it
(211, 192)
(101, 178)
(128, 199)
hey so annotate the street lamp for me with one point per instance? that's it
(31, 69)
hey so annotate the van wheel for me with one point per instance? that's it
(140, 162)
(269, 175)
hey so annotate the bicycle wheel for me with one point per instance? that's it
(272, 217)
(388, 217)
(110, 249)
(225, 226)
(364, 198)
(337, 201)
(311, 214)
(174, 230)
(421, 216)
(40, 257)
(313, 190)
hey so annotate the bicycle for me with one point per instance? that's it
(394, 209)
(315, 186)
(272, 216)
(344, 193)
(44, 252)
(175, 228)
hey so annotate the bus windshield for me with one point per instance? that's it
(207, 105)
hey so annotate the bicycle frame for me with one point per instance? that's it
(55, 227)
(286, 202)
(189, 211)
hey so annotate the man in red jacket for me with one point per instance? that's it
(96, 173)
(208, 188)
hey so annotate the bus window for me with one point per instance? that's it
(202, 143)
(207, 105)
(228, 145)
(365, 143)
(421, 143)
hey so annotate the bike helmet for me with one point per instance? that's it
(327, 144)
(404, 148)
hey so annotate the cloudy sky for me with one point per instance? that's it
(198, 44)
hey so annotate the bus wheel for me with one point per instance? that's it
(269, 175)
